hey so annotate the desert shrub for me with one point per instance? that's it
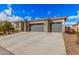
(0, 27)
(77, 34)
(7, 27)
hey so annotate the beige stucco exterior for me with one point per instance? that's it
(76, 27)
(25, 25)
(47, 22)
(63, 23)
(18, 26)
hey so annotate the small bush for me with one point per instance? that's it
(0, 28)
(77, 34)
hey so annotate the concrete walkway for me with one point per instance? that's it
(3, 51)
(34, 43)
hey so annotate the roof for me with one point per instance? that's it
(44, 19)
(56, 18)
(76, 23)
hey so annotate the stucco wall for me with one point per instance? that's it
(75, 28)
(17, 28)
(46, 26)
(25, 26)
(78, 27)
(47, 22)
(36, 22)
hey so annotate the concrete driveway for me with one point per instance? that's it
(34, 43)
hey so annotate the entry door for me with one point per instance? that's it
(57, 27)
(37, 27)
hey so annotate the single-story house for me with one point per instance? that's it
(76, 27)
(41, 25)
(69, 29)
(45, 25)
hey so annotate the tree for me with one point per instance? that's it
(7, 26)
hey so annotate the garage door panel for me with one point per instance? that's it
(37, 27)
(57, 27)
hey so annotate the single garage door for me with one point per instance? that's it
(56, 27)
(37, 27)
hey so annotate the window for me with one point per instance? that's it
(17, 25)
(57, 23)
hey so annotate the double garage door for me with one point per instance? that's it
(54, 27)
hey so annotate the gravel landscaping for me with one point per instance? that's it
(72, 47)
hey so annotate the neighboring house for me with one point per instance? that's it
(76, 27)
(46, 25)
(69, 29)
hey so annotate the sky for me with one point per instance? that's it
(15, 12)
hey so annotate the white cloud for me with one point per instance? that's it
(70, 23)
(28, 17)
(76, 16)
(32, 10)
(36, 18)
(49, 12)
(8, 12)
(78, 11)
(15, 18)
(55, 16)
(3, 16)
(7, 15)
(23, 11)
(9, 5)
(72, 17)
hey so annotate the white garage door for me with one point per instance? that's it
(57, 27)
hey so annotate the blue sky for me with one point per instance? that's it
(41, 11)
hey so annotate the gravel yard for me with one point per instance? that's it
(71, 46)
